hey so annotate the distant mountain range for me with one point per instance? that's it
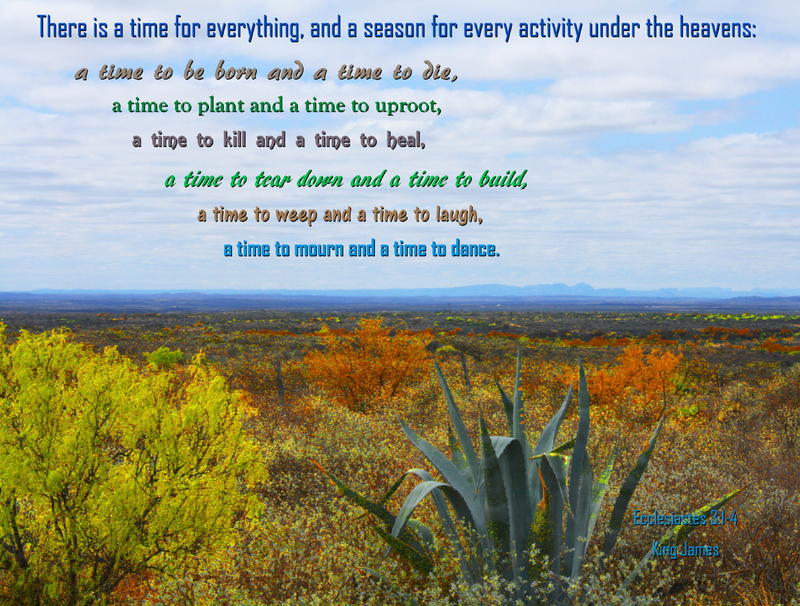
(478, 290)
(486, 297)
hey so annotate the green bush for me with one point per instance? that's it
(164, 357)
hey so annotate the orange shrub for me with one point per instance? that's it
(772, 344)
(638, 385)
(367, 367)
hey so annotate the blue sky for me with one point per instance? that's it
(651, 163)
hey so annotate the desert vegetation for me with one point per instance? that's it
(262, 458)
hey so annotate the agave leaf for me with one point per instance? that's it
(517, 430)
(423, 532)
(513, 407)
(580, 523)
(580, 485)
(627, 490)
(678, 533)
(559, 463)
(508, 406)
(417, 535)
(403, 521)
(520, 506)
(379, 511)
(469, 566)
(534, 472)
(681, 531)
(456, 454)
(554, 475)
(415, 557)
(497, 507)
(458, 425)
(599, 491)
(541, 527)
(393, 489)
(545, 444)
(460, 482)
(459, 478)
(376, 509)
(414, 498)
(557, 450)
(548, 436)
(453, 496)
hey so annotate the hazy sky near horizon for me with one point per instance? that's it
(651, 163)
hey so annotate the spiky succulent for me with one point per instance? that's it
(512, 496)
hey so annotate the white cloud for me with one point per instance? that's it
(82, 208)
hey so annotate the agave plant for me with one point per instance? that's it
(514, 497)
